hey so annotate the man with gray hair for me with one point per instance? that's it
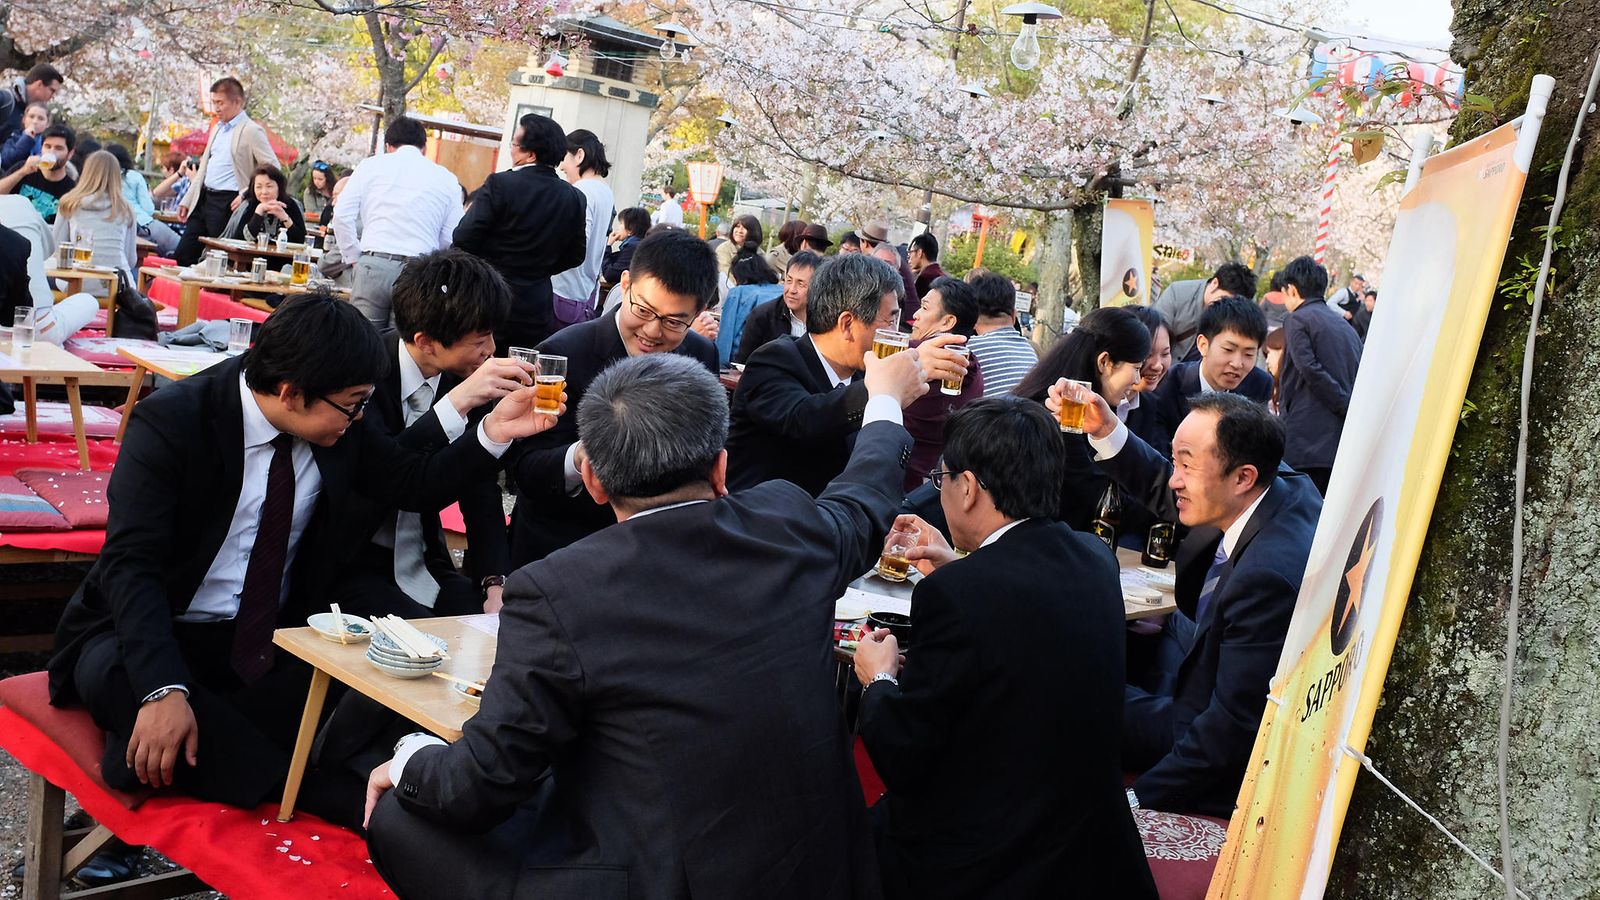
(667, 674)
(799, 403)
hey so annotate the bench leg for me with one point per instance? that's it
(179, 883)
(46, 804)
(84, 850)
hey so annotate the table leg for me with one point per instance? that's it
(133, 397)
(111, 306)
(302, 743)
(188, 303)
(75, 404)
(30, 405)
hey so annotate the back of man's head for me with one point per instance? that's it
(1247, 434)
(928, 244)
(404, 131)
(996, 295)
(680, 262)
(651, 425)
(853, 283)
(1308, 277)
(43, 73)
(448, 295)
(1014, 448)
(1236, 279)
(959, 300)
(317, 343)
(1236, 314)
(542, 137)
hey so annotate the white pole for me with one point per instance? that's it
(1419, 155)
(1528, 133)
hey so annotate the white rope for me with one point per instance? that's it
(1366, 763)
(1502, 751)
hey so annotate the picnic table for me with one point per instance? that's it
(45, 363)
(176, 363)
(233, 283)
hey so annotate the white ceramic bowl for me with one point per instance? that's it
(327, 629)
(463, 696)
(403, 671)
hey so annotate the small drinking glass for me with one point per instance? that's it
(952, 386)
(239, 336)
(302, 268)
(887, 342)
(550, 380)
(895, 563)
(22, 329)
(1074, 403)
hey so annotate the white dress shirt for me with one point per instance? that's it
(1000, 532)
(220, 175)
(399, 202)
(670, 213)
(218, 595)
(797, 328)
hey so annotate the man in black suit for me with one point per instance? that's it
(447, 305)
(798, 405)
(784, 316)
(1231, 333)
(530, 223)
(672, 280)
(1320, 360)
(1239, 575)
(219, 513)
(669, 672)
(998, 739)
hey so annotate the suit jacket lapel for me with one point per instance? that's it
(392, 405)
(608, 345)
(812, 361)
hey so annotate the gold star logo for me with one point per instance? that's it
(1355, 579)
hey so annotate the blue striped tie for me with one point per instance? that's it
(1213, 575)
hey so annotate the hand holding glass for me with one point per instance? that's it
(895, 561)
(550, 380)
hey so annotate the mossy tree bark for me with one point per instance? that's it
(1435, 734)
(1069, 269)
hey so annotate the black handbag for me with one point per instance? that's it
(136, 315)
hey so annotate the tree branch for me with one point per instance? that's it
(438, 47)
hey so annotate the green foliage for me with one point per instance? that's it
(956, 259)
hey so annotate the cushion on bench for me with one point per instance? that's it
(23, 510)
(245, 854)
(79, 496)
(54, 419)
(102, 351)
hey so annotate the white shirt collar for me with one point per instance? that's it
(652, 511)
(1127, 406)
(796, 327)
(1230, 538)
(999, 532)
(411, 376)
(257, 430)
(1200, 370)
(827, 368)
(235, 121)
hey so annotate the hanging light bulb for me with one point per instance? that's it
(1025, 51)
(676, 34)
(667, 50)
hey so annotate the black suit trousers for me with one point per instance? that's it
(406, 849)
(209, 218)
(368, 589)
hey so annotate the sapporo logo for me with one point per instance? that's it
(1353, 586)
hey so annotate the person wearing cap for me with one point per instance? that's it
(815, 238)
(874, 238)
(922, 256)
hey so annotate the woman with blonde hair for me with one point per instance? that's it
(96, 213)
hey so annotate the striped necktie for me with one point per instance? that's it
(1213, 575)
(411, 573)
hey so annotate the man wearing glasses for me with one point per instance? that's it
(671, 280)
(219, 532)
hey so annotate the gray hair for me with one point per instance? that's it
(854, 282)
(652, 424)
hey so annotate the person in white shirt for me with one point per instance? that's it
(585, 167)
(671, 211)
(396, 206)
(238, 146)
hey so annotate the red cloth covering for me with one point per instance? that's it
(55, 452)
(23, 510)
(450, 518)
(78, 495)
(245, 854)
(212, 304)
(54, 419)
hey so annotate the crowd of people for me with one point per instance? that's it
(662, 718)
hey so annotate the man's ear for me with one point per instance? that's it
(292, 398)
(591, 483)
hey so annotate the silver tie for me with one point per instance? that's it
(410, 571)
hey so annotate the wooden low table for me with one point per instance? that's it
(191, 286)
(176, 363)
(167, 216)
(75, 278)
(45, 363)
(242, 253)
(430, 702)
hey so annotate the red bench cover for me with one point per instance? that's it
(23, 510)
(245, 854)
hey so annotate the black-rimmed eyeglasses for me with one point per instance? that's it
(352, 413)
(647, 315)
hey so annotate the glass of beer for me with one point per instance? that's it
(47, 161)
(894, 563)
(82, 254)
(1074, 403)
(952, 386)
(302, 268)
(888, 342)
(550, 379)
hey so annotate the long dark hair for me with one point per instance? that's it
(790, 233)
(1109, 329)
(752, 231)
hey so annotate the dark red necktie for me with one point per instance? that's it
(263, 577)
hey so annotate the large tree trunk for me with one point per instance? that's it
(1069, 269)
(1435, 735)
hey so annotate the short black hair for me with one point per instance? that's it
(449, 294)
(228, 87)
(1306, 274)
(1275, 283)
(594, 152)
(317, 343)
(1247, 434)
(636, 219)
(996, 295)
(1152, 318)
(43, 72)
(1112, 330)
(276, 174)
(751, 268)
(1236, 278)
(928, 244)
(542, 137)
(61, 131)
(1239, 315)
(681, 262)
(959, 300)
(849, 238)
(124, 158)
(1014, 448)
(805, 259)
(87, 146)
(404, 131)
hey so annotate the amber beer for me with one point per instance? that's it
(893, 568)
(549, 380)
(895, 563)
(1074, 404)
(82, 254)
(302, 269)
(887, 342)
(952, 386)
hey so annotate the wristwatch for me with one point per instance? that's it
(490, 581)
(162, 692)
(884, 676)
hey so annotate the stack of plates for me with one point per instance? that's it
(384, 653)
